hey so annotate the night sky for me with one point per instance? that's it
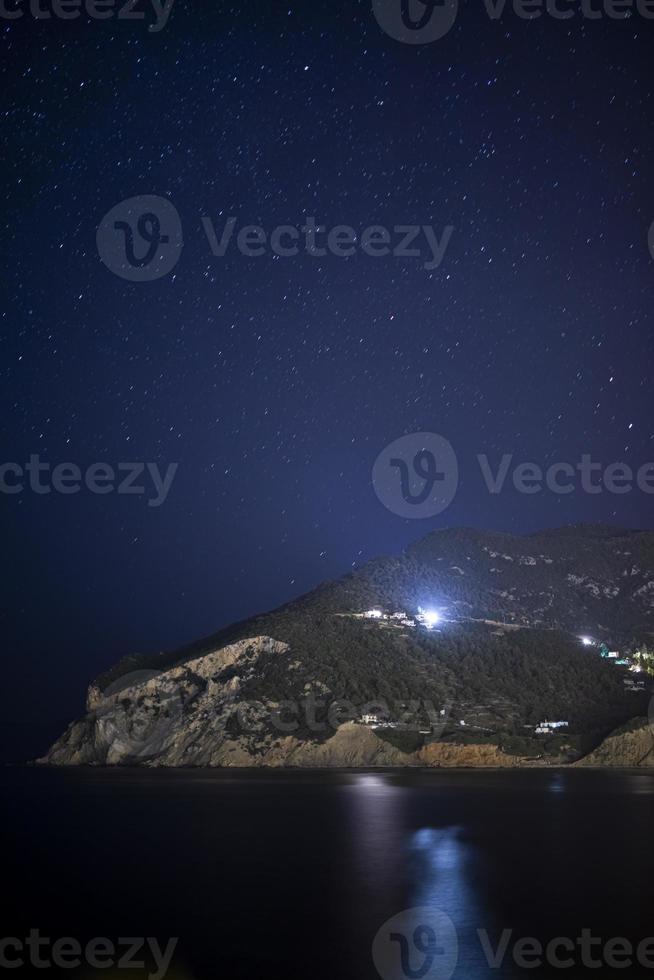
(275, 382)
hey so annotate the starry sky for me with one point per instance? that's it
(275, 382)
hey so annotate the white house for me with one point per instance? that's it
(547, 727)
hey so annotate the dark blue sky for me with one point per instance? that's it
(274, 382)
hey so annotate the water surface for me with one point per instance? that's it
(290, 874)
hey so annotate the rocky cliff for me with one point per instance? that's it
(175, 717)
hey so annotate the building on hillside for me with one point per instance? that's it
(374, 721)
(549, 727)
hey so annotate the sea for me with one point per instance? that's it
(327, 875)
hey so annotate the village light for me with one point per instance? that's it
(431, 618)
(586, 640)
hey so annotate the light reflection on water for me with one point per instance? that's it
(434, 864)
(441, 862)
(377, 811)
(557, 783)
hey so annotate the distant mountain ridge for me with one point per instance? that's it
(505, 654)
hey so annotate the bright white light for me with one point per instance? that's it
(374, 614)
(431, 617)
(586, 640)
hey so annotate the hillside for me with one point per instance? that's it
(504, 655)
(631, 745)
